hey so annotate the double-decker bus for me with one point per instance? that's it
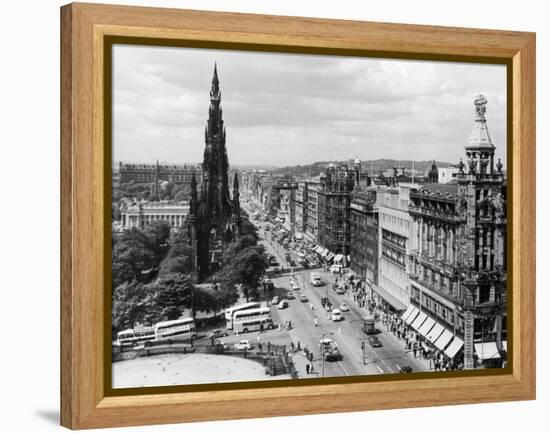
(255, 319)
(135, 335)
(179, 329)
(229, 312)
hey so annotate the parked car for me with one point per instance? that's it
(343, 307)
(374, 341)
(290, 295)
(406, 369)
(217, 333)
(275, 300)
(243, 345)
(303, 298)
(336, 315)
(282, 305)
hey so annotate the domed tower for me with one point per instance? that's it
(483, 251)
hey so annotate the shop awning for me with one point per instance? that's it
(389, 298)
(426, 326)
(412, 316)
(330, 256)
(419, 320)
(443, 339)
(407, 312)
(434, 334)
(487, 350)
(454, 347)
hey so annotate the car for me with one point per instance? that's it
(405, 369)
(243, 345)
(303, 298)
(329, 350)
(343, 307)
(282, 305)
(336, 269)
(374, 341)
(336, 315)
(340, 290)
(295, 286)
(217, 333)
(275, 300)
(290, 296)
(220, 344)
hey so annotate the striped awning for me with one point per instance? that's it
(443, 339)
(434, 334)
(412, 316)
(426, 326)
(419, 320)
(407, 312)
(454, 347)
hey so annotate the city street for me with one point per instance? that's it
(347, 334)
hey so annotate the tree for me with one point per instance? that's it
(249, 229)
(181, 264)
(170, 295)
(246, 268)
(129, 305)
(131, 256)
(158, 233)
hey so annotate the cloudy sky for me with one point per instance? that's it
(286, 109)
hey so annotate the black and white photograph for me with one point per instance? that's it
(293, 216)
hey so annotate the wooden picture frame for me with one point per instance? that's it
(85, 33)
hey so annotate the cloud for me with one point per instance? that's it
(283, 109)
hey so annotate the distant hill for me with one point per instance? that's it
(315, 169)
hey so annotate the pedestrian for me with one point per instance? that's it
(414, 352)
(290, 324)
(307, 368)
(292, 346)
(315, 320)
(298, 346)
(311, 356)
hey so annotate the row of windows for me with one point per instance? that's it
(394, 238)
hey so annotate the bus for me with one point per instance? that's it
(255, 319)
(180, 329)
(232, 310)
(135, 335)
(368, 326)
(315, 279)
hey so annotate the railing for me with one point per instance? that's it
(436, 214)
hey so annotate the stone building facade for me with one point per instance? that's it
(334, 197)
(458, 247)
(364, 234)
(139, 214)
(145, 173)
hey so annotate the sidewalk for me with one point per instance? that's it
(300, 361)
